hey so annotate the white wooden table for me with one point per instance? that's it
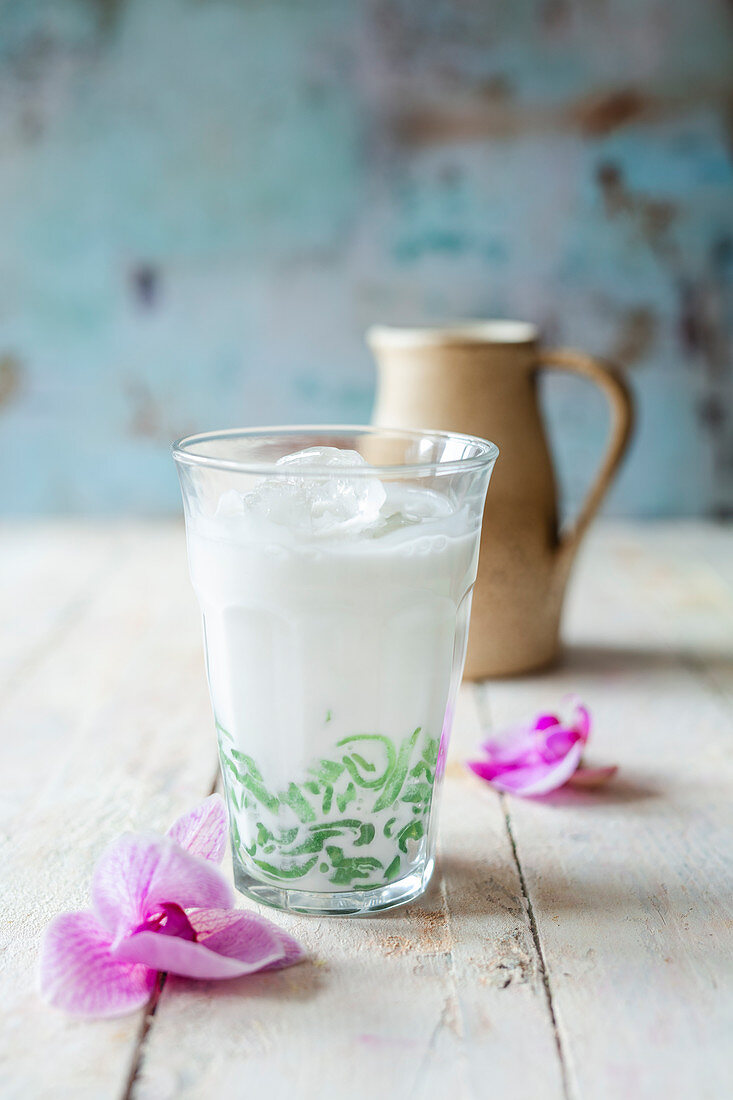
(576, 947)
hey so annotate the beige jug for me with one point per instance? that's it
(481, 378)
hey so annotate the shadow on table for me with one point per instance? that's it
(472, 888)
(473, 893)
(622, 790)
(296, 983)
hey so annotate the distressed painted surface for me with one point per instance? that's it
(205, 202)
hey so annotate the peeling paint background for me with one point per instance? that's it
(204, 203)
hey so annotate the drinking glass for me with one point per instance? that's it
(335, 589)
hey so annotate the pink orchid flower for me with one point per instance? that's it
(537, 757)
(159, 904)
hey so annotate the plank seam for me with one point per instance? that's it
(149, 1017)
(544, 974)
(145, 1026)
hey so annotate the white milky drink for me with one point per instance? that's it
(335, 608)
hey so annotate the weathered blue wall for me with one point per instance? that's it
(205, 202)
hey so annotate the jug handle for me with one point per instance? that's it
(618, 395)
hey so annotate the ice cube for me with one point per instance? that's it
(231, 503)
(334, 503)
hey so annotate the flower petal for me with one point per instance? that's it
(231, 943)
(170, 921)
(514, 742)
(538, 779)
(209, 922)
(203, 830)
(486, 769)
(79, 975)
(579, 715)
(535, 757)
(138, 874)
(546, 748)
(293, 953)
(191, 959)
(546, 721)
(589, 778)
(558, 742)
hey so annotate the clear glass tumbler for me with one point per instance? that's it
(334, 569)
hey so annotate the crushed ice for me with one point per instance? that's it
(319, 505)
(346, 501)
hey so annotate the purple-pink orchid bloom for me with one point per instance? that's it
(159, 903)
(539, 756)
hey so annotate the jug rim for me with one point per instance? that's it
(471, 331)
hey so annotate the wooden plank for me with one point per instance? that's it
(107, 727)
(48, 572)
(631, 888)
(686, 569)
(442, 997)
(110, 730)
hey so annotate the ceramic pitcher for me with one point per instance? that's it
(481, 378)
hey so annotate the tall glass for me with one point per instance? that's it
(334, 569)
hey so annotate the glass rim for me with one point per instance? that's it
(183, 454)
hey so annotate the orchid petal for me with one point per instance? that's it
(538, 779)
(485, 769)
(203, 830)
(578, 714)
(79, 975)
(191, 959)
(209, 922)
(293, 953)
(546, 721)
(170, 921)
(137, 875)
(523, 745)
(537, 756)
(582, 721)
(513, 741)
(235, 943)
(589, 778)
(558, 742)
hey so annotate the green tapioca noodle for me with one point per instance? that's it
(356, 820)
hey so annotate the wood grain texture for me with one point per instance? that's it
(632, 888)
(577, 948)
(48, 573)
(432, 999)
(102, 733)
